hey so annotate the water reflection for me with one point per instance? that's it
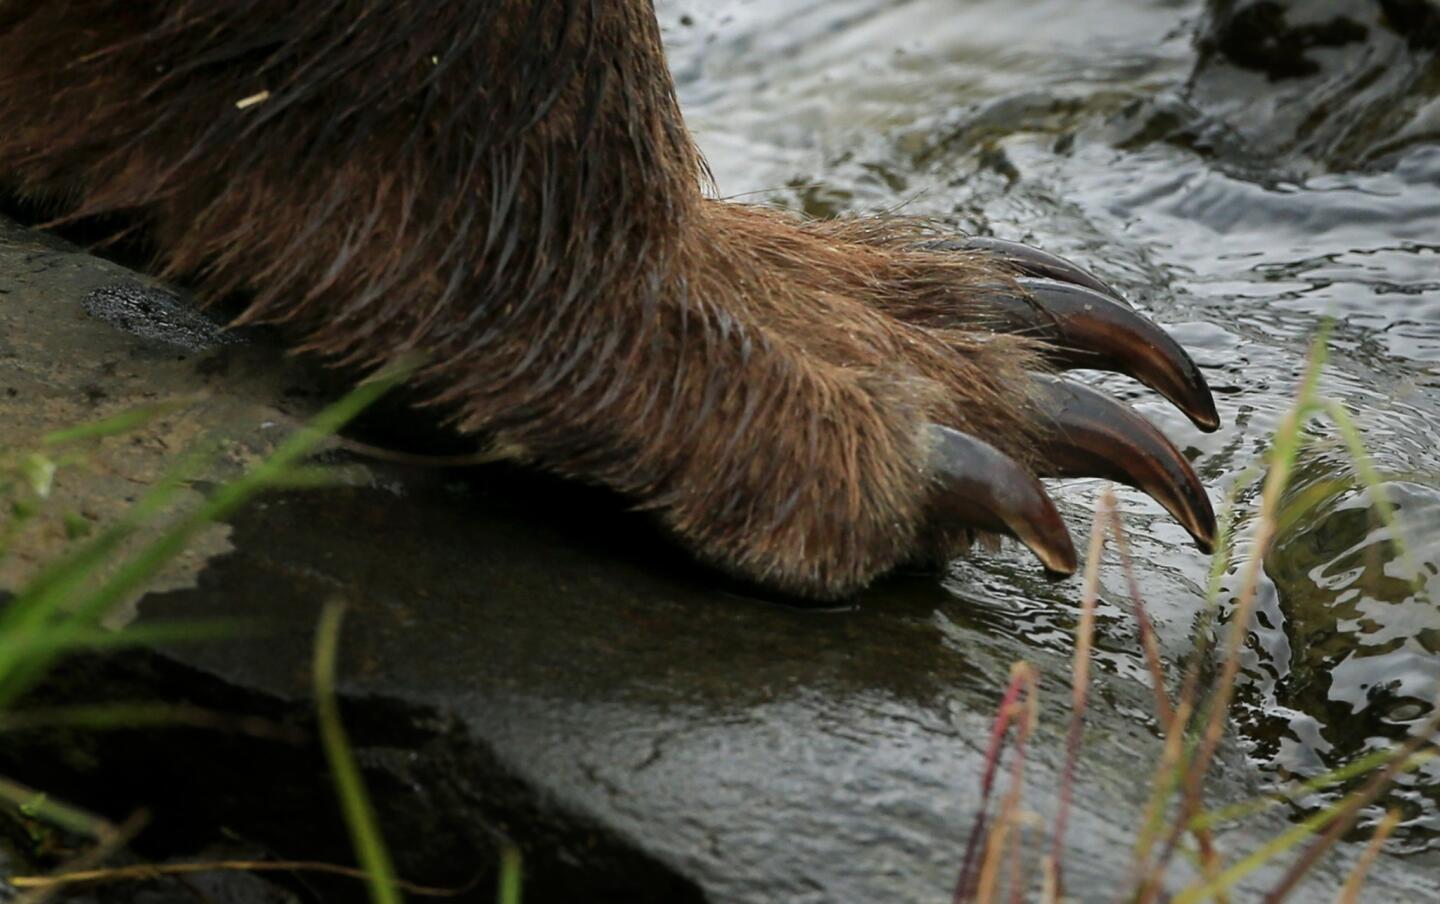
(1064, 123)
(1355, 664)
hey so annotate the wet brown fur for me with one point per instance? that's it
(509, 188)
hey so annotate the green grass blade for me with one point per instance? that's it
(1357, 767)
(355, 802)
(511, 876)
(61, 587)
(68, 637)
(145, 714)
(38, 805)
(1365, 467)
(123, 422)
(1306, 829)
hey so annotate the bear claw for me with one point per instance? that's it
(1033, 261)
(1084, 328)
(1091, 435)
(982, 488)
(1082, 323)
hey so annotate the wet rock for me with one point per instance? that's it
(527, 662)
(152, 313)
(73, 351)
(1322, 83)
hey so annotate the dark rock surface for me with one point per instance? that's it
(1329, 83)
(526, 661)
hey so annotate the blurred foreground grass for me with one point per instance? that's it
(62, 609)
(999, 858)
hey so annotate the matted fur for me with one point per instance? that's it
(508, 187)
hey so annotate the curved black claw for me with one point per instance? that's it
(1092, 435)
(1034, 262)
(1088, 324)
(1087, 329)
(983, 488)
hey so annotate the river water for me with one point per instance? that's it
(1039, 121)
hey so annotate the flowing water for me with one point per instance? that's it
(1039, 121)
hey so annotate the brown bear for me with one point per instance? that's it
(508, 188)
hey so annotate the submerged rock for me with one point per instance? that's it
(1329, 83)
